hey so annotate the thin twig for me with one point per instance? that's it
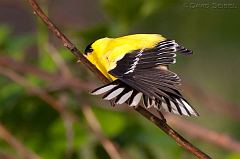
(58, 80)
(212, 102)
(96, 128)
(38, 92)
(59, 107)
(11, 140)
(6, 156)
(56, 57)
(68, 124)
(66, 42)
(196, 131)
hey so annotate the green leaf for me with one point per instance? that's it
(4, 33)
(17, 45)
(46, 62)
(91, 34)
(9, 93)
(127, 13)
(233, 156)
(111, 122)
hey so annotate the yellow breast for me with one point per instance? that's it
(107, 51)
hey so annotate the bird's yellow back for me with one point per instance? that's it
(107, 51)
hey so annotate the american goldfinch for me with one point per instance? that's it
(138, 66)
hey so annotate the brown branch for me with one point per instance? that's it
(193, 130)
(22, 67)
(38, 92)
(172, 133)
(185, 144)
(7, 156)
(65, 41)
(58, 80)
(212, 101)
(19, 147)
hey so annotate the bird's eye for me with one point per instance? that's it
(88, 49)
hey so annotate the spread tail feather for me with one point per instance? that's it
(122, 93)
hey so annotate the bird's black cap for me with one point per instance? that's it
(88, 49)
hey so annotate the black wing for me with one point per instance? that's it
(163, 54)
(144, 73)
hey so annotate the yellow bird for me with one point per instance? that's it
(138, 65)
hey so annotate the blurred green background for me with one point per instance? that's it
(34, 64)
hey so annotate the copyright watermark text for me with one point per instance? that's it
(211, 5)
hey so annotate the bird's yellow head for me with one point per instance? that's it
(98, 46)
(95, 53)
